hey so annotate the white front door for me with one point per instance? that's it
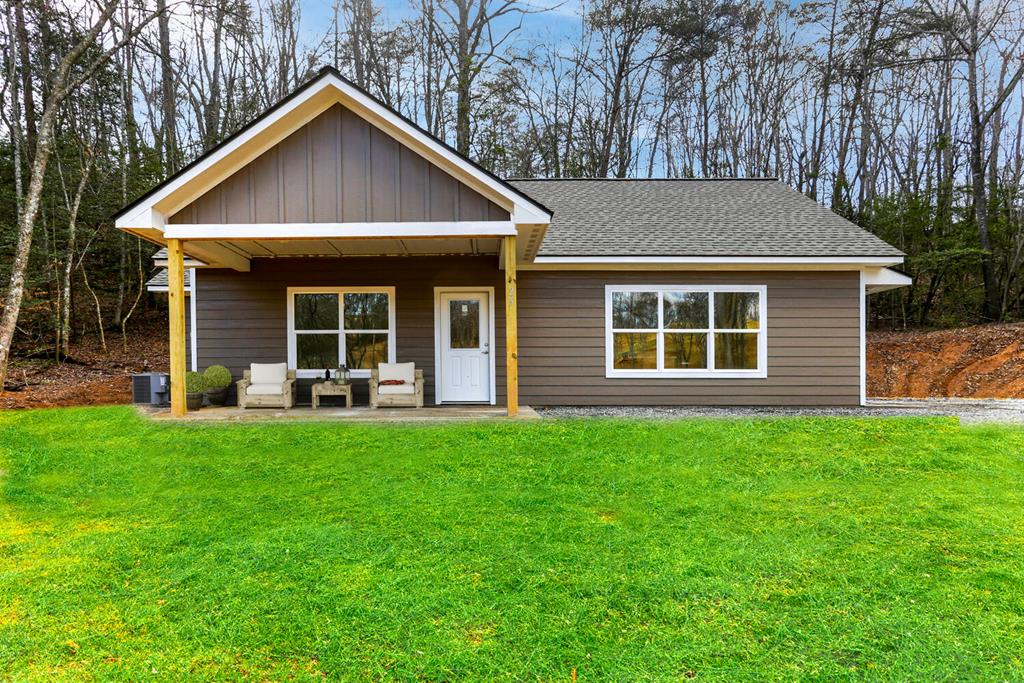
(465, 371)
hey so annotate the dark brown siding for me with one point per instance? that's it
(339, 168)
(188, 332)
(813, 328)
(242, 317)
(813, 342)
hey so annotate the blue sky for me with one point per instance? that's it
(560, 21)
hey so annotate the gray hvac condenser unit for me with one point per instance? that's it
(151, 387)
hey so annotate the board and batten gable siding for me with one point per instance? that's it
(338, 168)
(813, 329)
(243, 317)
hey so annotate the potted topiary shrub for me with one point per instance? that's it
(217, 379)
(194, 386)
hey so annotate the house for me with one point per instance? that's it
(331, 230)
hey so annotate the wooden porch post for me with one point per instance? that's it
(176, 313)
(511, 328)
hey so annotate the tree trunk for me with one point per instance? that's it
(69, 265)
(979, 189)
(463, 79)
(19, 264)
(59, 88)
(979, 192)
(26, 75)
(168, 107)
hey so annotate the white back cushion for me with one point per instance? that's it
(405, 389)
(402, 371)
(265, 389)
(268, 373)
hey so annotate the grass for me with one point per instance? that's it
(803, 549)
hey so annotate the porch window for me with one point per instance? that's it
(685, 331)
(327, 327)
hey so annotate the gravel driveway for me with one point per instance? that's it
(970, 411)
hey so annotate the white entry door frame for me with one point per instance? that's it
(439, 339)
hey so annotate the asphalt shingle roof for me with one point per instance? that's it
(160, 279)
(751, 217)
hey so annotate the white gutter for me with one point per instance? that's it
(795, 260)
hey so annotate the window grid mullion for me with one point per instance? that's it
(711, 331)
(342, 347)
(659, 338)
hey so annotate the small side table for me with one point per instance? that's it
(331, 389)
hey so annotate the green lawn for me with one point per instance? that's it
(784, 549)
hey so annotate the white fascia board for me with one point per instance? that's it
(257, 231)
(758, 260)
(523, 210)
(142, 216)
(883, 279)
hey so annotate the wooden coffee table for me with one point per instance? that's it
(331, 389)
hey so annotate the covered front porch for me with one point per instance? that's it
(450, 312)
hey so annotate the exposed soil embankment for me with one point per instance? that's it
(985, 361)
(94, 377)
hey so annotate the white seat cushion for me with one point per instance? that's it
(396, 389)
(403, 371)
(268, 373)
(265, 389)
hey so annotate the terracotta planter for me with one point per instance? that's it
(193, 401)
(217, 396)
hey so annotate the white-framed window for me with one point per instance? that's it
(332, 326)
(686, 331)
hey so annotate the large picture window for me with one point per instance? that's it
(328, 327)
(686, 331)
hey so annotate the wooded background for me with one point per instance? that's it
(904, 116)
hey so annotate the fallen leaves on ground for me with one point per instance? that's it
(95, 377)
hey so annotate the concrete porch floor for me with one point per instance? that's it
(339, 414)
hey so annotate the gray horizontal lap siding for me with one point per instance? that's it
(813, 341)
(188, 333)
(242, 317)
(813, 328)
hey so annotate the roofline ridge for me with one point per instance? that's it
(644, 180)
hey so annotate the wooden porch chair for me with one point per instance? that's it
(407, 394)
